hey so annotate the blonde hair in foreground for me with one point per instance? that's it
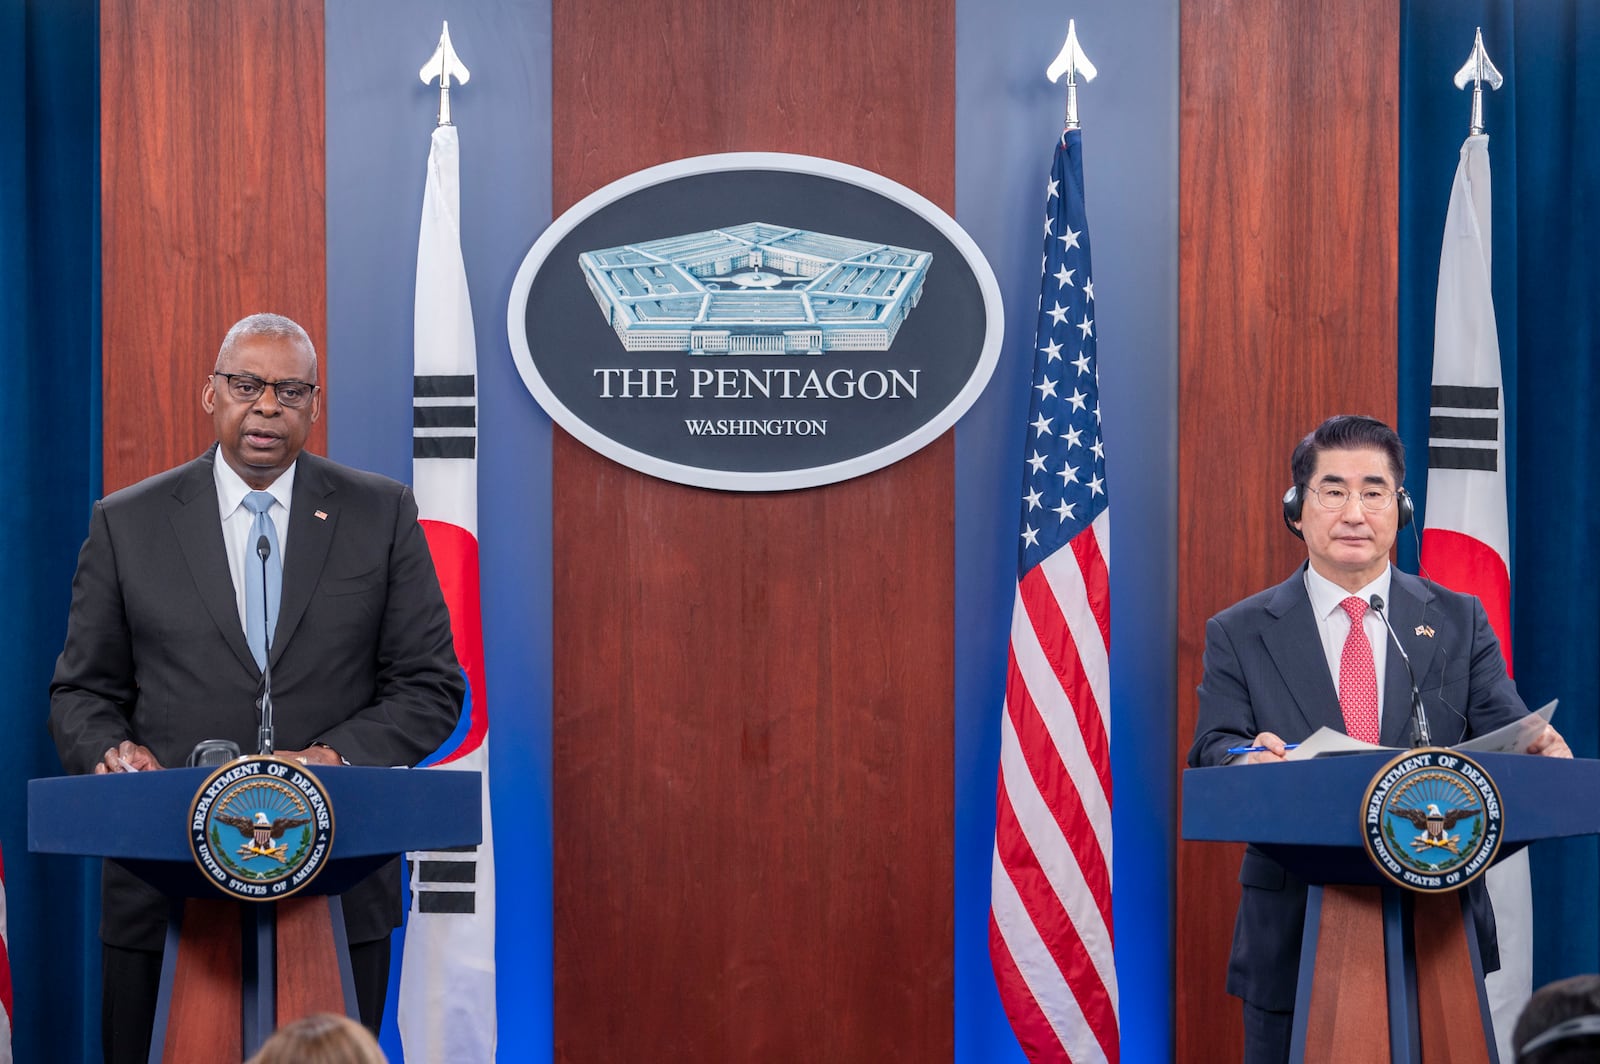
(320, 1039)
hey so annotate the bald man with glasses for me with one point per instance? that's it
(166, 641)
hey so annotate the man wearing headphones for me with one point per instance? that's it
(1310, 653)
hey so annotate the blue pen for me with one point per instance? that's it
(1257, 749)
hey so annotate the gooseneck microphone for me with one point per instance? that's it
(265, 735)
(1420, 735)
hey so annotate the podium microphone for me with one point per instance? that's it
(265, 735)
(1420, 735)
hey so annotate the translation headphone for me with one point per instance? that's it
(1577, 1027)
(1294, 504)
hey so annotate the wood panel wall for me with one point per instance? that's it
(1288, 222)
(212, 205)
(753, 719)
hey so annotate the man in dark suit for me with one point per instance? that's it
(1292, 659)
(157, 655)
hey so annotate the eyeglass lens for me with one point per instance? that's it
(246, 389)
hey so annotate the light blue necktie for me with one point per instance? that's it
(255, 631)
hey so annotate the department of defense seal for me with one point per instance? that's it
(1431, 820)
(261, 828)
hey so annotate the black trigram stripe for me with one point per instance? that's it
(446, 901)
(1462, 397)
(447, 871)
(444, 386)
(1486, 458)
(444, 417)
(471, 847)
(444, 447)
(1464, 428)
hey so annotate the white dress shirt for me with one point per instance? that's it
(1333, 624)
(236, 521)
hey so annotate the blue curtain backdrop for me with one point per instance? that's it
(1547, 307)
(49, 387)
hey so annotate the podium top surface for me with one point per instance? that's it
(145, 816)
(1318, 802)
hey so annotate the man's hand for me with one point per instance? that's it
(1274, 752)
(312, 755)
(126, 756)
(1550, 744)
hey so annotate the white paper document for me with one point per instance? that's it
(1327, 741)
(1512, 738)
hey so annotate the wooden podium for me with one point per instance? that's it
(264, 963)
(1385, 973)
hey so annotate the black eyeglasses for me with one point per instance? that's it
(247, 389)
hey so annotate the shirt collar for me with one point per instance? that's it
(1326, 595)
(231, 488)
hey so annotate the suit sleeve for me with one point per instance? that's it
(420, 686)
(93, 690)
(1492, 699)
(1227, 717)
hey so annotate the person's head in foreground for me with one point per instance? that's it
(320, 1039)
(1560, 1024)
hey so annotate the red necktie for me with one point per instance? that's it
(1358, 680)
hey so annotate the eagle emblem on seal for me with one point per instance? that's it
(1435, 824)
(260, 832)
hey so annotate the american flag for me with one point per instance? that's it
(1050, 897)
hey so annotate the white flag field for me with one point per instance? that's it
(447, 977)
(1466, 545)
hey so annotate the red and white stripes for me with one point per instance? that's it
(1050, 929)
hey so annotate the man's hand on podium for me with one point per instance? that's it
(126, 756)
(1273, 750)
(313, 755)
(129, 756)
(1550, 744)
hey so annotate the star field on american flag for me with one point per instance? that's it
(1064, 475)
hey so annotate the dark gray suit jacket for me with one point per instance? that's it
(362, 657)
(1265, 670)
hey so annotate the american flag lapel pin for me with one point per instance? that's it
(322, 515)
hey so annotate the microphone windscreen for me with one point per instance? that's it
(213, 752)
(263, 548)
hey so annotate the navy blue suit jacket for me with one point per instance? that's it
(1265, 671)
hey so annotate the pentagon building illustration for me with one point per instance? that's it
(756, 289)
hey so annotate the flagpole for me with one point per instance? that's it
(444, 64)
(1072, 62)
(1478, 69)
